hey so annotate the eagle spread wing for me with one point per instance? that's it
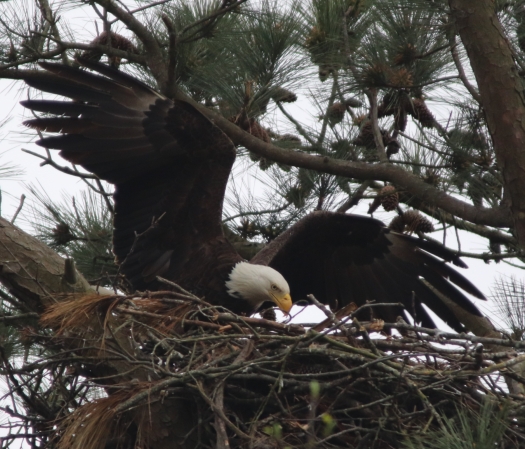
(343, 258)
(170, 166)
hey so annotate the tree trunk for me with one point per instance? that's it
(501, 92)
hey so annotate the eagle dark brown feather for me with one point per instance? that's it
(345, 258)
(170, 166)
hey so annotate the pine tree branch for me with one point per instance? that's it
(142, 8)
(31, 271)
(68, 171)
(378, 138)
(47, 13)
(455, 56)
(211, 19)
(497, 217)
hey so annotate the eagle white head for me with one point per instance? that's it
(257, 284)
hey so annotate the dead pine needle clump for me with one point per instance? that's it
(179, 369)
(91, 426)
(73, 313)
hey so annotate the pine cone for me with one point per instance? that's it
(387, 106)
(252, 126)
(352, 103)
(116, 41)
(377, 76)
(400, 120)
(495, 248)
(288, 138)
(389, 198)
(401, 78)
(406, 54)
(247, 229)
(432, 178)
(336, 113)
(270, 232)
(283, 95)
(315, 37)
(460, 161)
(419, 110)
(415, 222)
(323, 74)
(397, 224)
(62, 234)
(268, 314)
(392, 148)
(366, 137)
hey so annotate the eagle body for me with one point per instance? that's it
(170, 166)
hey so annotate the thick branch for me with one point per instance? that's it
(31, 271)
(359, 170)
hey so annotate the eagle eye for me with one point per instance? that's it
(274, 287)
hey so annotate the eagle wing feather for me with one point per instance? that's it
(343, 258)
(169, 163)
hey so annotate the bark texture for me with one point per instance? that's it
(32, 271)
(501, 91)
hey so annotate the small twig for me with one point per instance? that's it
(378, 138)
(455, 56)
(261, 212)
(324, 125)
(297, 125)
(172, 53)
(18, 210)
(329, 314)
(355, 198)
(20, 316)
(220, 412)
(66, 170)
(183, 291)
(142, 8)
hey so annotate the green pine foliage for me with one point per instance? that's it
(78, 227)
(482, 429)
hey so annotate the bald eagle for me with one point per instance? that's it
(170, 166)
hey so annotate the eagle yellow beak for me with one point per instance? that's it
(284, 302)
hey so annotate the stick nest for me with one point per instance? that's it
(244, 382)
